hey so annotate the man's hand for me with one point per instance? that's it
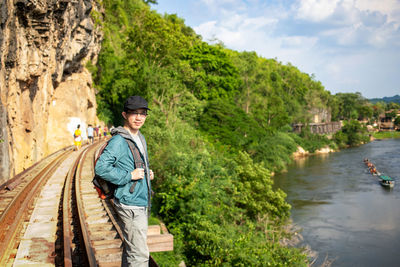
(151, 175)
(137, 174)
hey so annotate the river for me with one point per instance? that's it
(344, 213)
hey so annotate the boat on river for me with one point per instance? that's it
(386, 181)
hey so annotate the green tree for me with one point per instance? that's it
(378, 109)
(247, 63)
(352, 134)
(227, 124)
(393, 105)
(215, 75)
(150, 2)
(397, 121)
(365, 112)
(350, 104)
(254, 190)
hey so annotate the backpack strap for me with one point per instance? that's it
(141, 137)
(147, 169)
(140, 164)
(138, 161)
(99, 152)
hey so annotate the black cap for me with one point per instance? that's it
(135, 102)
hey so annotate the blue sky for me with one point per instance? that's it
(349, 45)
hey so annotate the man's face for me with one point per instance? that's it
(135, 118)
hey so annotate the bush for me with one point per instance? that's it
(352, 134)
(219, 206)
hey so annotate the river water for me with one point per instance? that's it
(344, 213)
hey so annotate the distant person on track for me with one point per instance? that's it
(132, 196)
(90, 133)
(96, 131)
(78, 138)
(105, 130)
(100, 132)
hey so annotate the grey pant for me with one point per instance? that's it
(134, 222)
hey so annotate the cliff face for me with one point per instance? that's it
(45, 90)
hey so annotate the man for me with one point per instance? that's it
(132, 196)
(90, 133)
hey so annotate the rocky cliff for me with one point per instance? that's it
(45, 90)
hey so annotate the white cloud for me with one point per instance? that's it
(353, 22)
(237, 31)
(315, 10)
(320, 10)
(298, 42)
(212, 3)
(231, 21)
(344, 36)
(218, 6)
(390, 8)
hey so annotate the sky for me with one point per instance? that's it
(349, 45)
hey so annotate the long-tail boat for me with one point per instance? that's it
(386, 181)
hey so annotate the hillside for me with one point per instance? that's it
(392, 99)
(219, 126)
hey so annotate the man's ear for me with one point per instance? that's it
(124, 115)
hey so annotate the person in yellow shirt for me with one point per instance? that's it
(78, 137)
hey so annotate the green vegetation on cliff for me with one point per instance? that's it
(219, 126)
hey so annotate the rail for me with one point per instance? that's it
(13, 216)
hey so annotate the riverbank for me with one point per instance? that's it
(386, 135)
(301, 152)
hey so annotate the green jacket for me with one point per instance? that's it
(116, 164)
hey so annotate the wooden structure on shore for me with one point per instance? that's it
(319, 128)
(386, 120)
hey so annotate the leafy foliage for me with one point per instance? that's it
(397, 121)
(352, 106)
(255, 194)
(216, 77)
(352, 134)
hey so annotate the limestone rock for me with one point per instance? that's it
(45, 89)
(300, 152)
(324, 150)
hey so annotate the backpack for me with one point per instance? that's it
(106, 189)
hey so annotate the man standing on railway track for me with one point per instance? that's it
(90, 135)
(118, 165)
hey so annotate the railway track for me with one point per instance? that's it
(57, 219)
(18, 198)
